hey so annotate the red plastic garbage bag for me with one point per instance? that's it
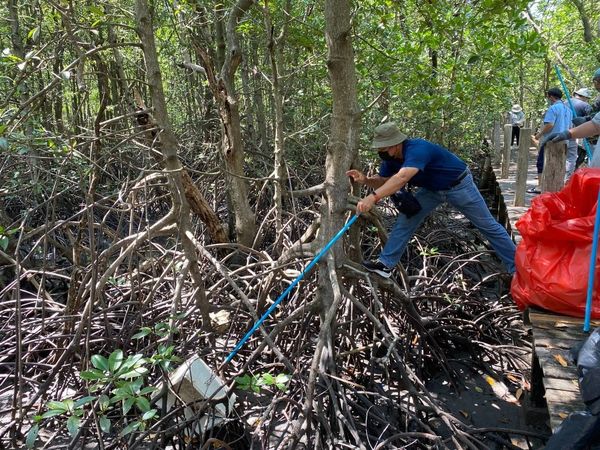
(553, 258)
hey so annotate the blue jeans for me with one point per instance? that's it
(466, 198)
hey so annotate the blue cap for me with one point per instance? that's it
(596, 74)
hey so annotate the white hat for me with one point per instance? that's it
(584, 92)
(516, 108)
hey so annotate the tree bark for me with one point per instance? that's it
(588, 36)
(223, 88)
(169, 149)
(274, 48)
(345, 126)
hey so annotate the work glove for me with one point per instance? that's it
(579, 120)
(557, 137)
(406, 203)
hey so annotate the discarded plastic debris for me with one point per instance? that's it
(193, 382)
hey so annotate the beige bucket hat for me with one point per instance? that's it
(516, 108)
(386, 135)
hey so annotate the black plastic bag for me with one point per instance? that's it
(406, 203)
(588, 369)
(577, 432)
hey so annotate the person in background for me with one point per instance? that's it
(586, 129)
(595, 105)
(516, 117)
(580, 101)
(441, 177)
(558, 118)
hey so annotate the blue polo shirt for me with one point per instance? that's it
(560, 116)
(438, 167)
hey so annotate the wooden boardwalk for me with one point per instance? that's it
(554, 336)
(507, 185)
(554, 375)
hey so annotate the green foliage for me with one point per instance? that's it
(5, 236)
(119, 381)
(433, 251)
(256, 382)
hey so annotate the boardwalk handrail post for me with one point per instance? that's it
(506, 151)
(555, 158)
(496, 142)
(522, 167)
(591, 277)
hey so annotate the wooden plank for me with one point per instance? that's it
(562, 385)
(551, 342)
(535, 315)
(563, 398)
(558, 333)
(551, 367)
(559, 412)
(555, 335)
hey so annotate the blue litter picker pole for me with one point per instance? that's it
(290, 287)
(590, 291)
(566, 91)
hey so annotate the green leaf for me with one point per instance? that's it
(58, 406)
(143, 404)
(90, 375)
(53, 412)
(115, 360)
(104, 402)
(282, 378)
(73, 425)
(94, 9)
(140, 371)
(473, 59)
(4, 242)
(149, 414)
(34, 34)
(32, 435)
(267, 379)
(144, 331)
(132, 361)
(129, 428)
(147, 390)
(127, 404)
(99, 362)
(84, 401)
(69, 404)
(104, 424)
(3, 144)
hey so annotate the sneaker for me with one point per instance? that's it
(533, 191)
(378, 267)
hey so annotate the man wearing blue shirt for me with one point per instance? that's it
(558, 118)
(441, 177)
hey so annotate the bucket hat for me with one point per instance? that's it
(584, 92)
(386, 135)
(516, 108)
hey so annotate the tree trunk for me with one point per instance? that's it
(274, 47)
(223, 89)
(169, 149)
(345, 125)
(588, 36)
